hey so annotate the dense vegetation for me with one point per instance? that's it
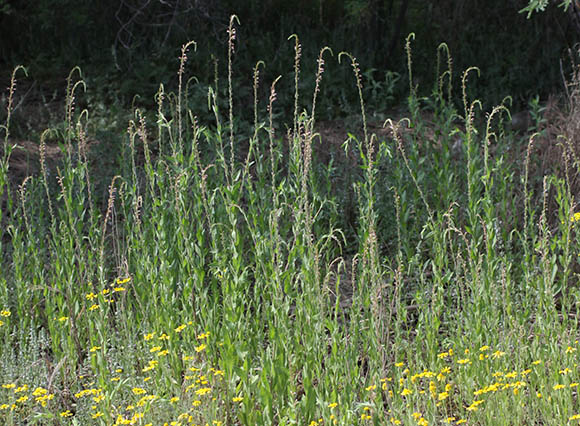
(127, 47)
(226, 253)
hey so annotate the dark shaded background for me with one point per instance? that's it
(130, 46)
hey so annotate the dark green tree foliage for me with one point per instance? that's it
(57, 31)
(518, 56)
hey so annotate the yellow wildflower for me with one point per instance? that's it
(202, 391)
(474, 405)
(22, 388)
(39, 391)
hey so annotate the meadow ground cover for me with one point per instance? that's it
(229, 276)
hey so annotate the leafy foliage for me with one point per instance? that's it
(540, 5)
(137, 38)
(235, 272)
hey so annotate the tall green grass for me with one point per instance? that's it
(216, 282)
